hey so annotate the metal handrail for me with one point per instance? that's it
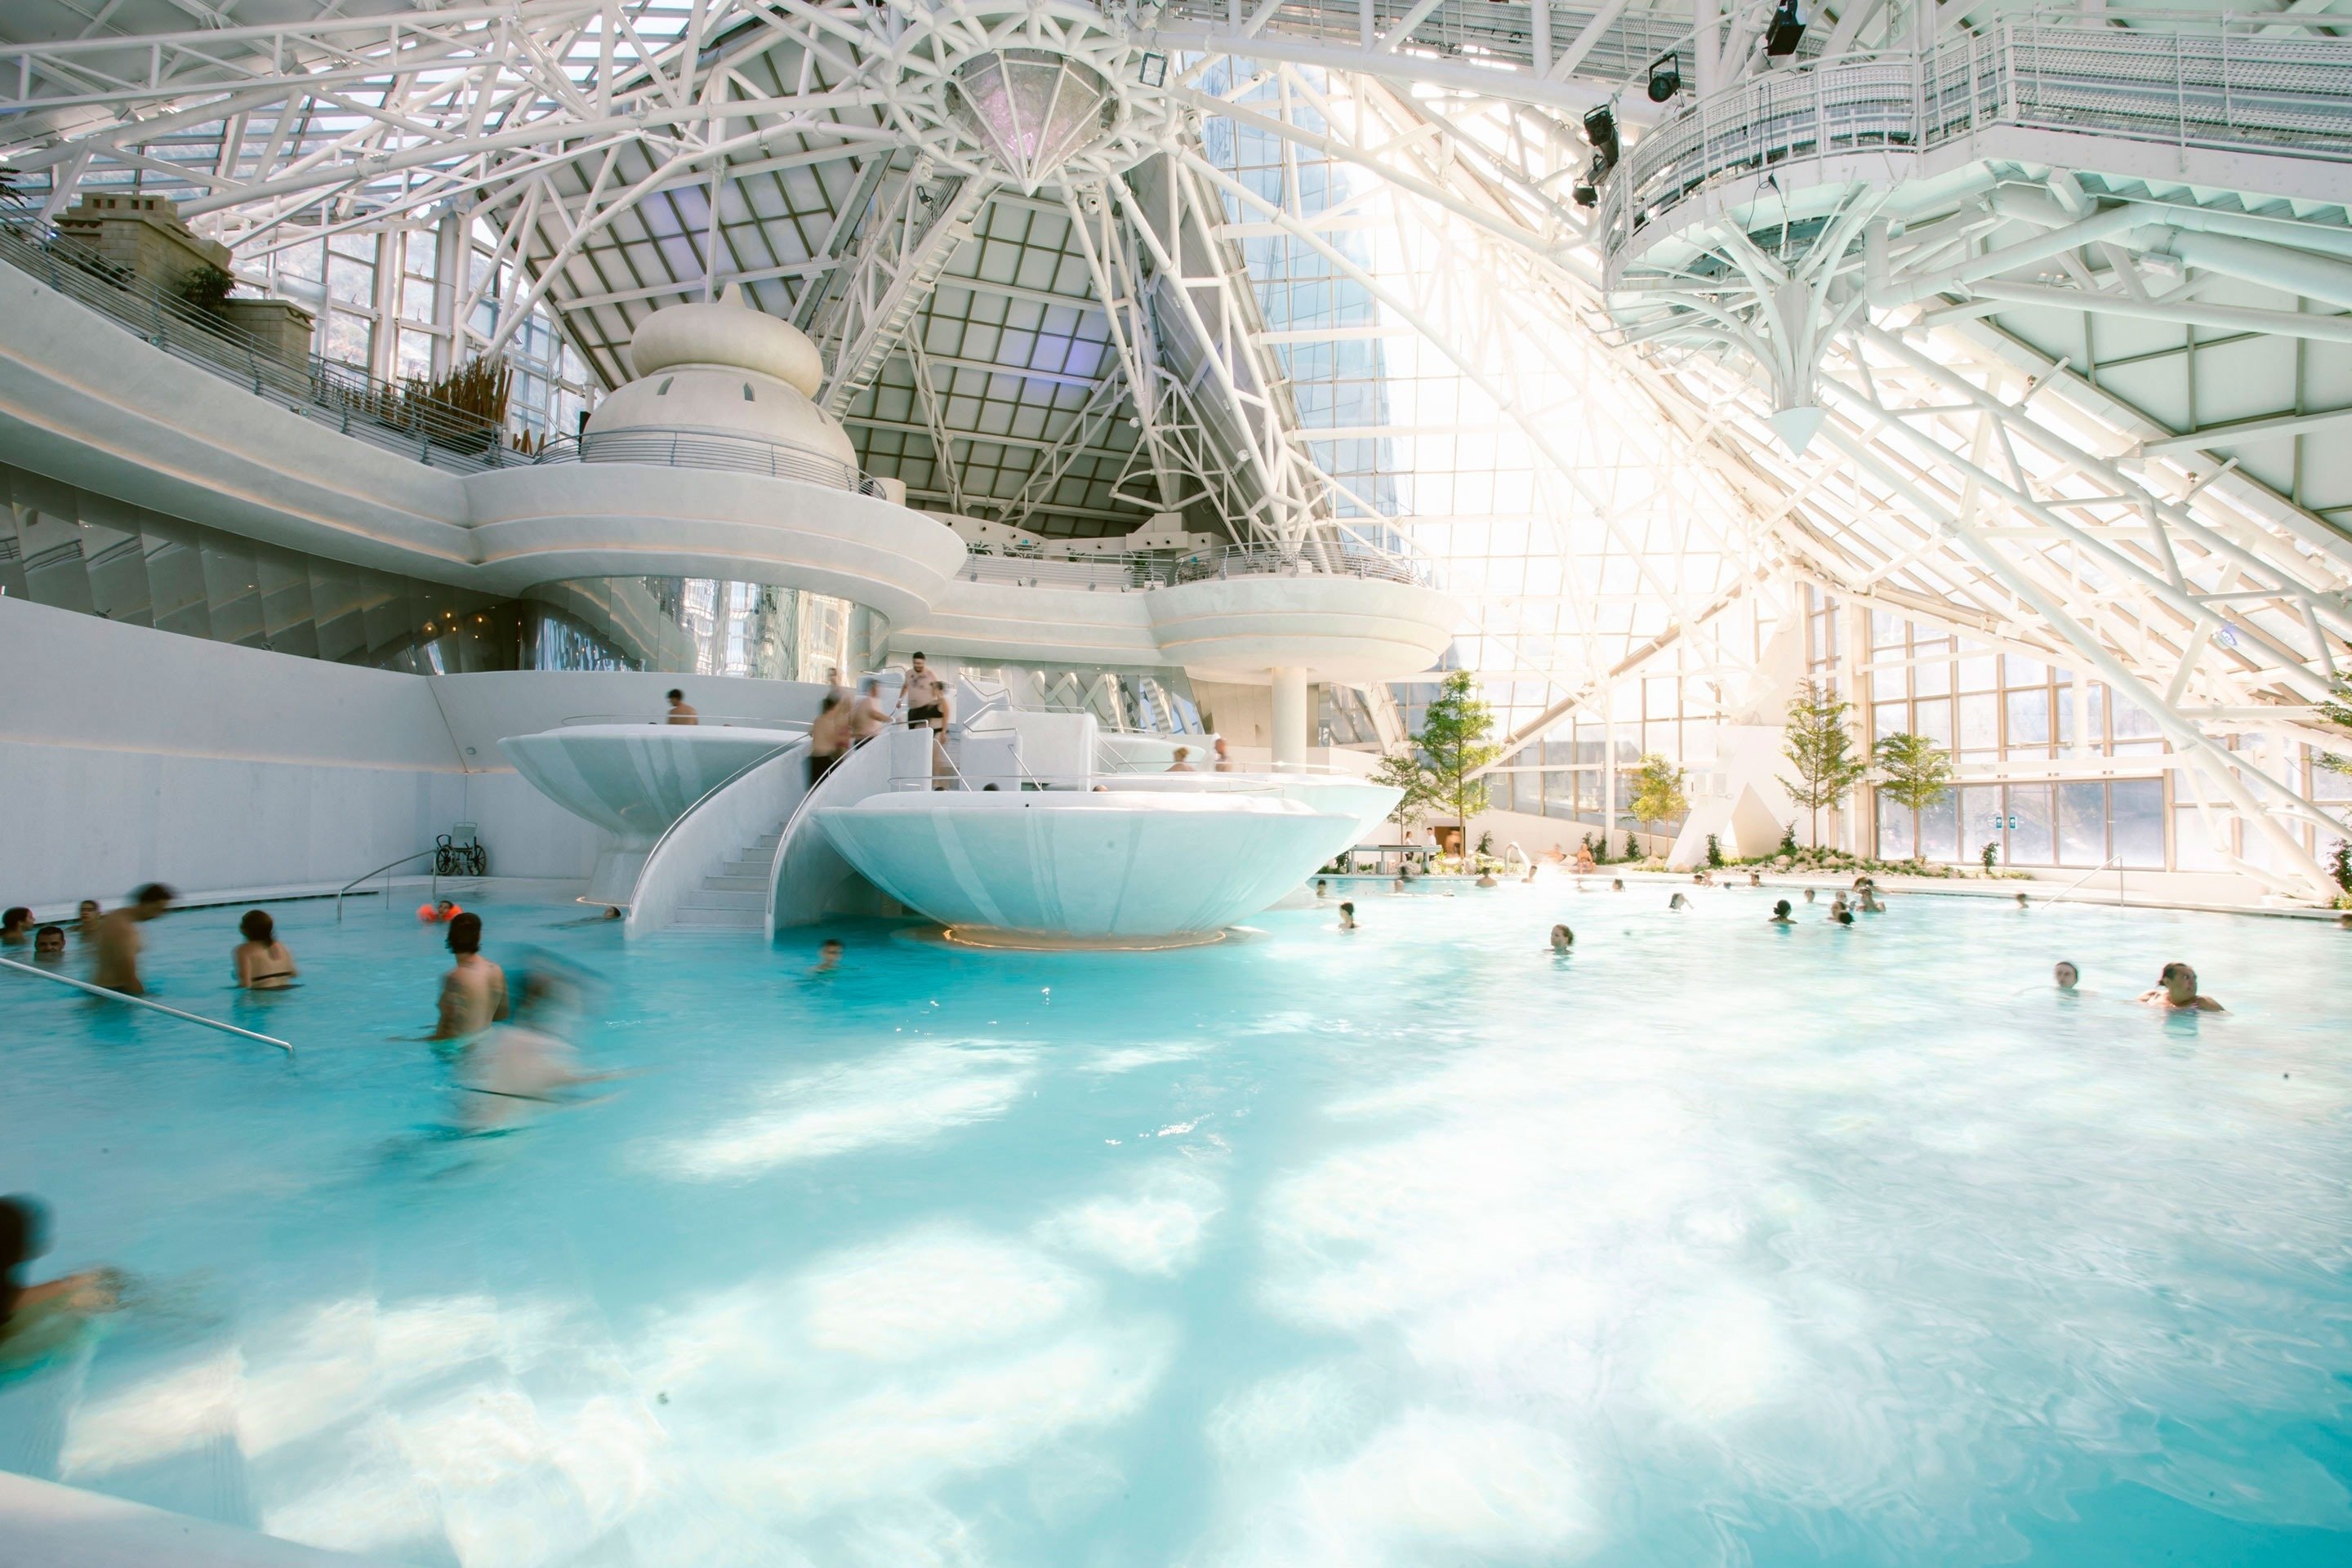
(762, 760)
(101, 990)
(705, 721)
(387, 866)
(2053, 901)
(354, 402)
(2254, 93)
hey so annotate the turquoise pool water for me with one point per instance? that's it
(1711, 1243)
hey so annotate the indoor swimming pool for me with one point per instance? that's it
(1708, 1243)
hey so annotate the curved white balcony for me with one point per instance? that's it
(2170, 104)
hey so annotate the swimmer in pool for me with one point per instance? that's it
(261, 960)
(2178, 993)
(1347, 917)
(16, 927)
(1616, 884)
(32, 1315)
(1562, 939)
(119, 941)
(1866, 899)
(1677, 902)
(1842, 916)
(1322, 888)
(2065, 976)
(2023, 903)
(1780, 915)
(49, 945)
(473, 992)
(1808, 895)
(1397, 886)
(828, 956)
(521, 1062)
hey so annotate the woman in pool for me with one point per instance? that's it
(262, 961)
(2065, 976)
(1780, 915)
(2177, 992)
(1562, 939)
(1348, 917)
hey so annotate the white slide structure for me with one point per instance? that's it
(811, 879)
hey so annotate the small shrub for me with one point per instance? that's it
(1789, 840)
(1714, 852)
(1988, 854)
(208, 289)
(1632, 845)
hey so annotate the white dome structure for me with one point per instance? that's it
(723, 369)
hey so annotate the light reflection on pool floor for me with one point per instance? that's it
(1712, 1243)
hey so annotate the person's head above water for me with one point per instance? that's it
(1616, 884)
(15, 921)
(2179, 983)
(1843, 917)
(2021, 901)
(2066, 975)
(1781, 909)
(466, 934)
(24, 1235)
(150, 901)
(1677, 902)
(49, 942)
(1562, 939)
(257, 926)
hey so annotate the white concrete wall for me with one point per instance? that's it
(129, 755)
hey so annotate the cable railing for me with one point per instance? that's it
(1129, 572)
(399, 419)
(2228, 88)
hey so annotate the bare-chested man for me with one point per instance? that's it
(474, 994)
(926, 696)
(117, 939)
(680, 710)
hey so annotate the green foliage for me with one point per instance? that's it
(2337, 709)
(1658, 791)
(1402, 771)
(208, 289)
(1714, 851)
(1632, 845)
(1485, 845)
(1988, 854)
(1820, 747)
(2339, 865)
(1454, 738)
(1918, 771)
(1599, 849)
(1788, 839)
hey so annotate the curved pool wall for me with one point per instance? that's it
(1710, 1244)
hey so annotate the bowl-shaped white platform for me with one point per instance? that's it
(1116, 864)
(1329, 792)
(635, 780)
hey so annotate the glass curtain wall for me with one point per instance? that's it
(76, 550)
(384, 307)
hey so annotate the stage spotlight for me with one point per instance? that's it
(1780, 38)
(1586, 191)
(1666, 78)
(1600, 130)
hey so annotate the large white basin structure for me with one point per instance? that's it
(635, 780)
(1120, 864)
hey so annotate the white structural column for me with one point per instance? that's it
(1289, 714)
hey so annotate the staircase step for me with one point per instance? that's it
(698, 919)
(708, 897)
(731, 881)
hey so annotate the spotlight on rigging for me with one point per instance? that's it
(1781, 38)
(1665, 77)
(1586, 191)
(1600, 130)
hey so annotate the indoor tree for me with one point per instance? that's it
(1820, 747)
(1415, 785)
(1918, 771)
(1657, 791)
(2335, 707)
(1455, 730)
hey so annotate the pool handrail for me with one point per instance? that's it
(155, 1006)
(387, 866)
(2110, 860)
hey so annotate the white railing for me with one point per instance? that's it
(756, 798)
(2228, 88)
(703, 720)
(1133, 572)
(151, 1007)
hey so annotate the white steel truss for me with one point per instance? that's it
(1889, 314)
